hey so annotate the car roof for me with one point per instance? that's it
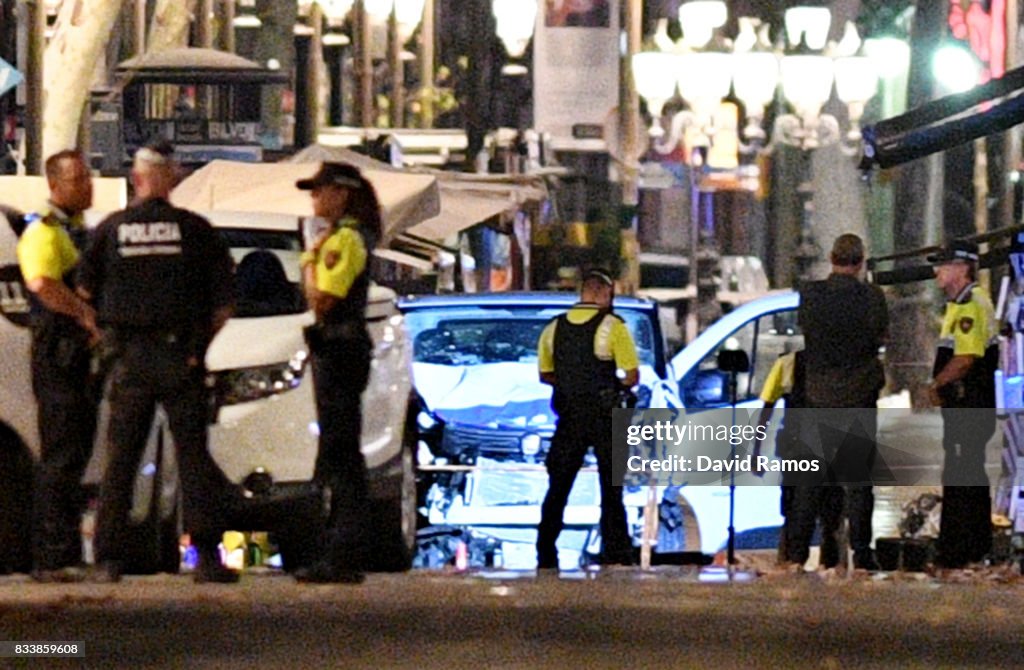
(252, 220)
(539, 299)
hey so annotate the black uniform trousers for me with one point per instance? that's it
(341, 370)
(845, 439)
(67, 409)
(579, 428)
(965, 529)
(152, 368)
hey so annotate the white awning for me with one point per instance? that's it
(405, 198)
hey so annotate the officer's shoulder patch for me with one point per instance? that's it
(966, 323)
(331, 259)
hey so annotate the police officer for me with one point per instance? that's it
(579, 355)
(336, 283)
(786, 381)
(162, 278)
(963, 386)
(62, 327)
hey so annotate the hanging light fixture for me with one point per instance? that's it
(408, 14)
(699, 19)
(809, 25)
(649, 74)
(755, 75)
(516, 20)
(856, 79)
(246, 17)
(336, 10)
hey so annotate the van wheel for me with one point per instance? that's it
(393, 522)
(393, 519)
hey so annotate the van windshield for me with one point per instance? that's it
(267, 274)
(464, 335)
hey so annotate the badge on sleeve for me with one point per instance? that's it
(332, 258)
(966, 323)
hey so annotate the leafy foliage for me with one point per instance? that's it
(878, 17)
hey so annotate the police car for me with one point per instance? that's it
(263, 430)
(486, 423)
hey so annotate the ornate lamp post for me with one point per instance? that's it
(702, 72)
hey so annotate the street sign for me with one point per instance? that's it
(9, 77)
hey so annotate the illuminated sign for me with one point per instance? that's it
(984, 31)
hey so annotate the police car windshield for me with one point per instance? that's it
(477, 336)
(266, 272)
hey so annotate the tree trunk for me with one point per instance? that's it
(170, 25)
(918, 220)
(276, 41)
(80, 36)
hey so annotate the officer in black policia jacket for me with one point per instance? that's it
(63, 326)
(579, 354)
(162, 280)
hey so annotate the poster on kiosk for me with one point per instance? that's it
(576, 70)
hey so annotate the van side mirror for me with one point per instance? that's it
(706, 388)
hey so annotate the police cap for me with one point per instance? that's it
(599, 274)
(337, 174)
(955, 251)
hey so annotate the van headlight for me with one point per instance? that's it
(530, 444)
(264, 381)
(425, 421)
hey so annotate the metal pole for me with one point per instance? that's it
(629, 125)
(204, 28)
(629, 102)
(397, 70)
(427, 38)
(314, 63)
(364, 65)
(228, 28)
(139, 27)
(35, 97)
(692, 314)
(981, 194)
(1011, 147)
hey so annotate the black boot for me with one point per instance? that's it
(210, 569)
(325, 572)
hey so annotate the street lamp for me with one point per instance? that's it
(956, 68)
(805, 74)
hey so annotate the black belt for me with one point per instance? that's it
(345, 330)
(122, 334)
